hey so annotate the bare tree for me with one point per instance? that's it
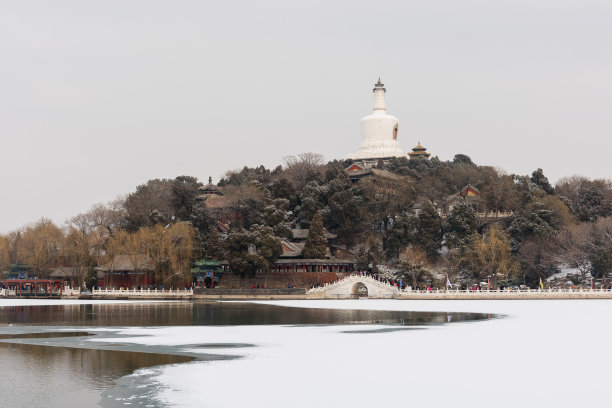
(574, 248)
(110, 216)
(414, 265)
(304, 167)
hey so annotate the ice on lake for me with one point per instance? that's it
(540, 353)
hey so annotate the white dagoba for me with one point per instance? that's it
(378, 131)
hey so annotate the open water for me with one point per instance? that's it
(47, 358)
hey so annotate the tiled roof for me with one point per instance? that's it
(136, 262)
(291, 249)
(302, 233)
(66, 272)
(315, 261)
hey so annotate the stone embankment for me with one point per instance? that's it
(345, 289)
(238, 294)
(199, 294)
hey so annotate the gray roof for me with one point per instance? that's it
(134, 262)
(67, 272)
(315, 261)
(291, 249)
(302, 233)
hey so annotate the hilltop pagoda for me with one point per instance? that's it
(419, 152)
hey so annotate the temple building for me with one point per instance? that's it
(209, 191)
(419, 152)
(127, 272)
(378, 132)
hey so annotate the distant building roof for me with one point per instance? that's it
(357, 166)
(332, 261)
(419, 147)
(127, 263)
(468, 192)
(302, 233)
(291, 249)
(222, 227)
(210, 189)
(387, 175)
(419, 151)
(214, 201)
(66, 272)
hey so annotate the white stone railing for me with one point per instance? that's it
(556, 292)
(65, 291)
(143, 292)
(335, 284)
(339, 288)
(68, 291)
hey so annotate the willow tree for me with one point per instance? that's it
(40, 245)
(77, 251)
(5, 259)
(182, 243)
(170, 249)
(492, 255)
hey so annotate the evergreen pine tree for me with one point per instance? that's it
(252, 250)
(316, 243)
(200, 218)
(429, 231)
(215, 246)
(461, 226)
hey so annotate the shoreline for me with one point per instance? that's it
(302, 294)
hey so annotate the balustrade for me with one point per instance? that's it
(142, 292)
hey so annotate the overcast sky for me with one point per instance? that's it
(97, 97)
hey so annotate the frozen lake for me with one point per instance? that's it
(540, 353)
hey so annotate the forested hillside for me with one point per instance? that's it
(421, 220)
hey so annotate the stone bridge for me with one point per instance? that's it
(354, 286)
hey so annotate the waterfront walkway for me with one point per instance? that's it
(347, 288)
(508, 294)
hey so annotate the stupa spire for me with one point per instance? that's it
(380, 107)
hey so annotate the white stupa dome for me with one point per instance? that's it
(378, 131)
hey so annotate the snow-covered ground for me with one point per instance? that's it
(541, 354)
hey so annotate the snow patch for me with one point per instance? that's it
(537, 356)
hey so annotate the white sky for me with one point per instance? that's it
(98, 97)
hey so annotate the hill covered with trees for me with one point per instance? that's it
(420, 220)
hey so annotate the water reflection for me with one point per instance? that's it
(36, 376)
(71, 373)
(216, 313)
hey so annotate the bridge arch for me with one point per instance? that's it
(359, 290)
(355, 286)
